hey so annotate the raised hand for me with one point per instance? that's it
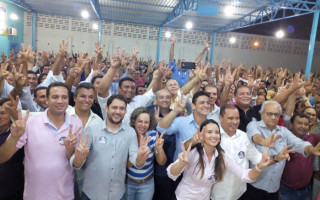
(282, 73)
(19, 78)
(26, 55)
(144, 150)
(316, 150)
(63, 50)
(11, 106)
(159, 142)
(71, 139)
(157, 114)
(115, 61)
(270, 141)
(284, 154)
(198, 136)
(173, 40)
(180, 105)
(202, 72)
(82, 151)
(135, 52)
(184, 155)
(99, 50)
(18, 127)
(229, 77)
(3, 70)
(265, 161)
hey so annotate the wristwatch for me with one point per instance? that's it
(274, 159)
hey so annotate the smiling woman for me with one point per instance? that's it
(140, 183)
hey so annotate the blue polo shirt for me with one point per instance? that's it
(181, 76)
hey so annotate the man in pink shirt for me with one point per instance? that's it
(48, 140)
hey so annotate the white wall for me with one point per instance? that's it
(273, 53)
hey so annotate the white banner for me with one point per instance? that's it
(3, 19)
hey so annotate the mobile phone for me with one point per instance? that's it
(188, 65)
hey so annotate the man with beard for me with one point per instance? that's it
(103, 154)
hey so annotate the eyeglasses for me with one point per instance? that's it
(311, 115)
(270, 114)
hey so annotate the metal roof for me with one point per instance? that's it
(175, 13)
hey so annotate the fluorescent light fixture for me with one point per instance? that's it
(13, 16)
(229, 10)
(280, 34)
(189, 25)
(232, 40)
(167, 34)
(85, 14)
(95, 26)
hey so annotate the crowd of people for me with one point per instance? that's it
(121, 127)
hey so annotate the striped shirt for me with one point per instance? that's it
(142, 173)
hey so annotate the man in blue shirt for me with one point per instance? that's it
(182, 75)
(185, 127)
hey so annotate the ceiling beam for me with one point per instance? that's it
(181, 9)
(269, 13)
(21, 4)
(96, 8)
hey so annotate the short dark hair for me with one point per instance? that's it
(225, 107)
(301, 115)
(139, 111)
(40, 77)
(116, 96)
(95, 78)
(241, 86)
(198, 94)
(139, 87)
(32, 72)
(125, 79)
(84, 85)
(37, 89)
(3, 100)
(307, 107)
(57, 84)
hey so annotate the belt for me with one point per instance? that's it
(141, 181)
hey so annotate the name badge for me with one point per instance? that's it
(61, 140)
(241, 154)
(103, 140)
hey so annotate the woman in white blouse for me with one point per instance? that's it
(204, 165)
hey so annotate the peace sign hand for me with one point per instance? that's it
(284, 154)
(159, 141)
(157, 114)
(71, 139)
(144, 150)
(82, 150)
(270, 141)
(198, 136)
(184, 155)
(180, 105)
(18, 127)
(265, 161)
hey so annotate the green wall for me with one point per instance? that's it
(7, 42)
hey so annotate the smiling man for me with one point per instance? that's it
(48, 140)
(185, 127)
(268, 184)
(237, 146)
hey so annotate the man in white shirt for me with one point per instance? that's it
(237, 146)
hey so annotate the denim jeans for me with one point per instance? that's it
(142, 191)
(85, 197)
(287, 193)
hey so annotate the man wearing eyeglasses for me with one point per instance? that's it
(267, 134)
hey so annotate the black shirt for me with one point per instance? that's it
(246, 117)
(11, 173)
